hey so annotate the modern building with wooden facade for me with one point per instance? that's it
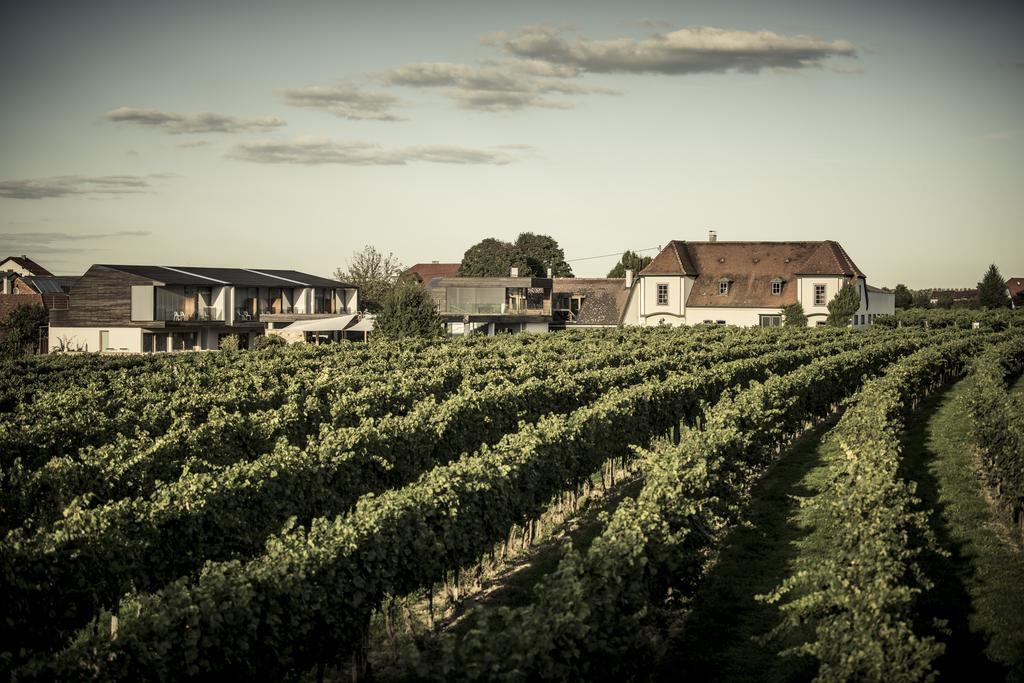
(164, 308)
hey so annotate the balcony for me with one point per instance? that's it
(204, 314)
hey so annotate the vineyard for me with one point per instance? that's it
(351, 511)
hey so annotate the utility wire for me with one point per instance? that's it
(618, 253)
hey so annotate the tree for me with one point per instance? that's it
(542, 252)
(374, 274)
(793, 315)
(992, 289)
(629, 261)
(531, 254)
(408, 311)
(843, 306)
(922, 298)
(19, 331)
(492, 258)
(904, 297)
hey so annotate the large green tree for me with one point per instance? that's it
(408, 311)
(630, 261)
(20, 330)
(492, 258)
(992, 289)
(922, 298)
(904, 297)
(843, 305)
(532, 254)
(542, 252)
(374, 273)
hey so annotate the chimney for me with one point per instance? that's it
(629, 278)
(514, 272)
(712, 236)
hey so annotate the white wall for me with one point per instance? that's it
(537, 328)
(672, 314)
(121, 338)
(744, 317)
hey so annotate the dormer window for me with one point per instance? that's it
(777, 286)
(723, 286)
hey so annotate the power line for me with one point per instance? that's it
(618, 253)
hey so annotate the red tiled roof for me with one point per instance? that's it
(28, 264)
(1015, 285)
(750, 268)
(425, 272)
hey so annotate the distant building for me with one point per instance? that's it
(24, 266)
(590, 302)
(493, 305)
(1015, 288)
(747, 284)
(163, 308)
(423, 273)
(948, 297)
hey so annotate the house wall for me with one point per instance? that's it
(101, 297)
(537, 328)
(11, 264)
(674, 313)
(121, 338)
(744, 317)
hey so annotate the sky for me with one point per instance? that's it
(290, 135)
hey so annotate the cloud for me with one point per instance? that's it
(63, 186)
(345, 101)
(493, 88)
(313, 151)
(58, 242)
(202, 122)
(189, 144)
(682, 51)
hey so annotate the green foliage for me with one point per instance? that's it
(228, 342)
(266, 341)
(793, 315)
(904, 297)
(19, 330)
(997, 425)
(629, 261)
(532, 254)
(374, 274)
(922, 298)
(844, 304)
(992, 289)
(542, 252)
(408, 312)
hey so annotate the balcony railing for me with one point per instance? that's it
(204, 314)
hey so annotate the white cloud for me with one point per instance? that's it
(62, 186)
(201, 122)
(345, 101)
(313, 150)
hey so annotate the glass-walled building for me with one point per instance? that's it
(472, 305)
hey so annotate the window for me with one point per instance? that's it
(819, 295)
(771, 320)
(776, 287)
(723, 287)
(104, 340)
(719, 322)
(663, 295)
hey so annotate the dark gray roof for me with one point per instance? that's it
(604, 299)
(241, 277)
(46, 285)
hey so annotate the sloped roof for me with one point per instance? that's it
(604, 299)
(28, 264)
(878, 290)
(750, 268)
(1015, 285)
(241, 277)
(425, 272)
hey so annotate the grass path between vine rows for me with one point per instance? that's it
(979, 588)
(715, 639)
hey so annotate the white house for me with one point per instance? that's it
(747, 283)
